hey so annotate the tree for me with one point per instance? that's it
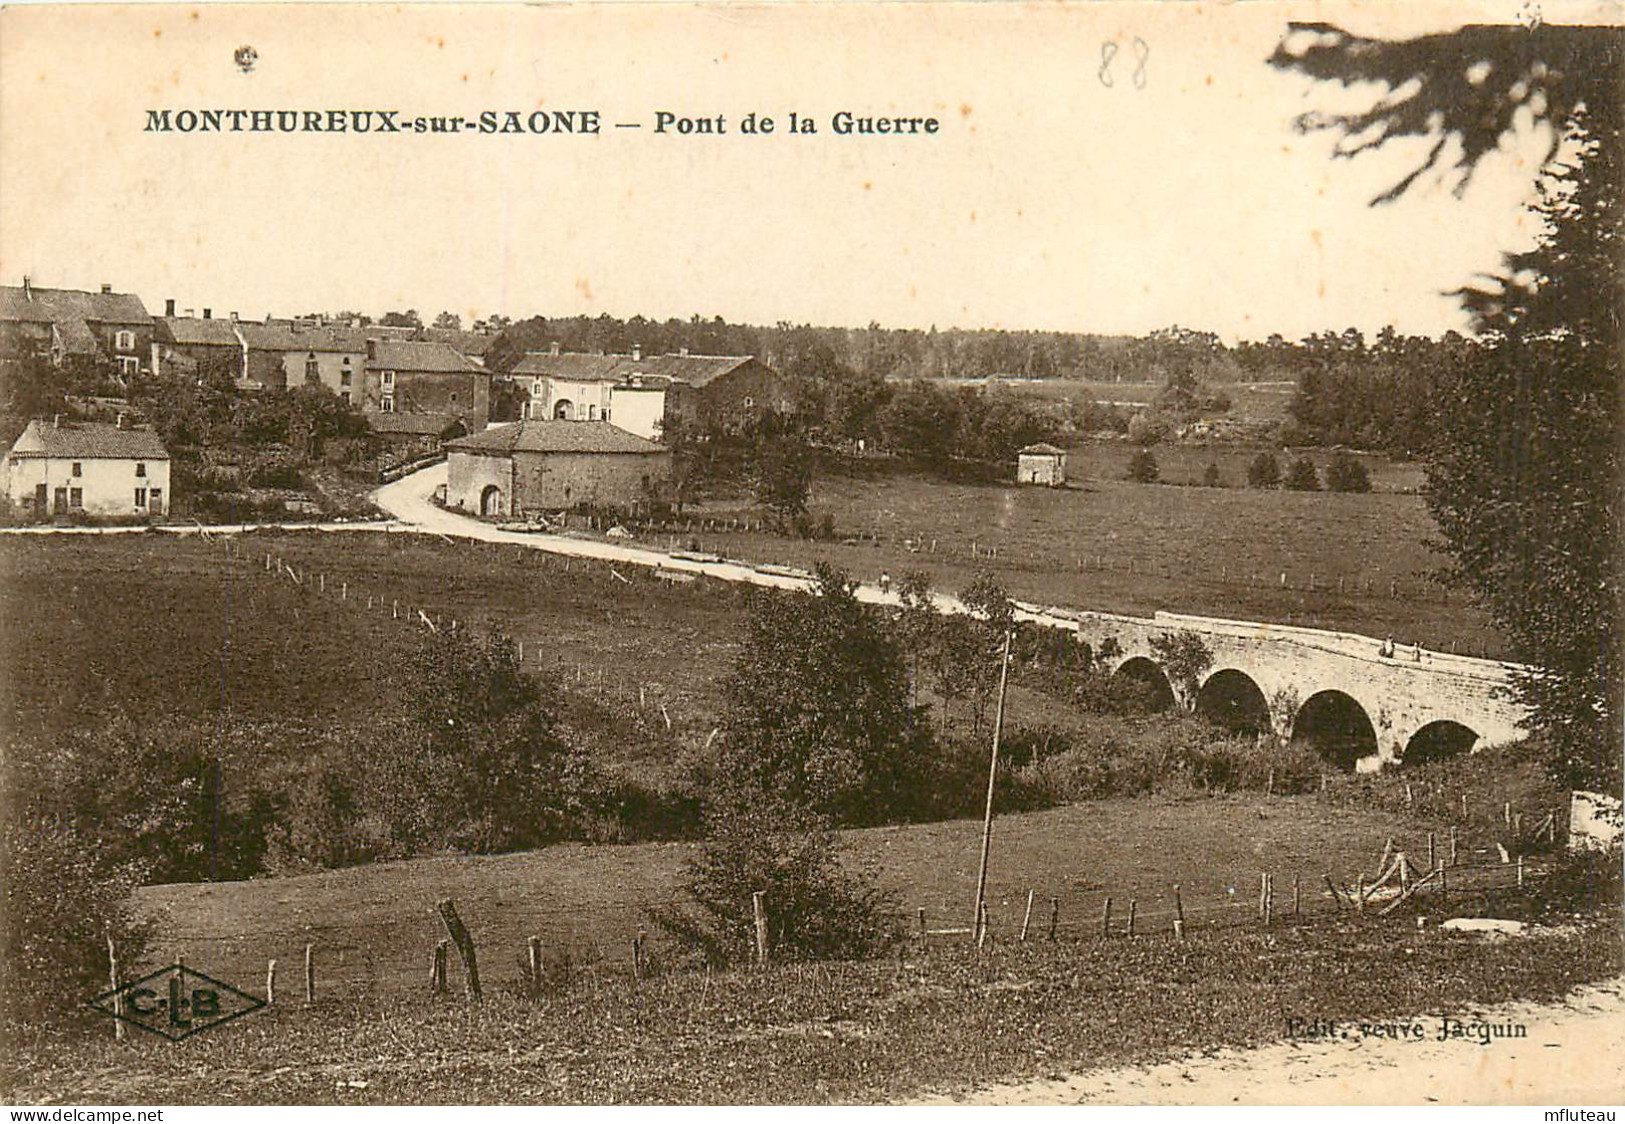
(1264, 471)
(1524, 464)
(816, 708)
(1184, 656)
(407, 319)
(1347, 474)
(1302, 477)
(1142, 467)
(449, 320)
(1211, 477)
(784, 474)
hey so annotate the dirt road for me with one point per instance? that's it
(1574, 1054)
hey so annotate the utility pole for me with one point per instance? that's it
(979, 926)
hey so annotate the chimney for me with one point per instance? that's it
(169, 307)
(637, 352)
(28, 287)
(107, 287)
(372, 348)
(123, 420)
(208, 314)
(234, 318)
(189, 313)
(553, 348)
(56, 421)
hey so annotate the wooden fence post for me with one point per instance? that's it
(1026, 918)
(1433, 854)
(1106, 917)
(1054, 916)
(533, 960)
(1297, 896)
(1133, 907)
(310, 973)
(637, 955)
(270, 982)
(1179, 914)
(465, 946)
(437, 967)
(1359, 892)
(760, 911)
(1452, 844)
(119, 1029)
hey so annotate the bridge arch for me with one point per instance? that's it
(1438, 740)
(1148, 673)
(1336, 726)
(1233, 699)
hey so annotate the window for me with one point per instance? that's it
(157, 499)
(141, 497)
(313, 368)
(592, 413)
(454, 399)
(140, 469)
(78, 469)
(124, 340)
(345, 395)
(76, 497)
(389, 378)
(389, 405)
(129, 365)
(344, 378)
(749, 401)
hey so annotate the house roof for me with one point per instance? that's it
(422, 355)
(473, 344)
(190, 331)
(88, 441)
(574, 365)
(696, 370)
(51, 305)
(1042, 449)
(288, 337)
(555, 437)
(413, 425)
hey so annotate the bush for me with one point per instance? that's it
(64, 897)
(1302, 477)
(1264, 471)
(816, 910)
(1211, 477)
(1142, 467)
(1146, 430)
(1347, 474)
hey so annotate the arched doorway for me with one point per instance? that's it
(1145, 674)
(1438, 740)
(491, 500)
(1231, 699)
(1337, 727)
(564, 410)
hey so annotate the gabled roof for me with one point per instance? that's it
(76, 336)
(474, 344)
(50, 305)
(413, 425)
(88, 441)
(574, 365)
(555, 437)
(1043, 449)
(188, 331)
(288, 337)
(422, 355)
(696, 370)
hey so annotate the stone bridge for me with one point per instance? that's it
(1341, 692)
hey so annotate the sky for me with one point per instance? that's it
(1047, 199)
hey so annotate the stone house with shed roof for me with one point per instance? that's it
(63, 467)
(1041, 464)
(75, 329)
(425, 377)
(553, 465)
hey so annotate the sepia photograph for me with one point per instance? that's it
(812, 553)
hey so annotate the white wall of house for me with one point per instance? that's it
(588, 400)
(104, 485)
(638, 409)
(338, 371)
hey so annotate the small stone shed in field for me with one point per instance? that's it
(549, 465)
(1041, 464)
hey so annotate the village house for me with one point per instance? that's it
(424, 377)
(414, 435)
(185, 345)
(471, 344)
(73, 329)
(1041, 464)
(553, 465)
(648, 395)
(61, 467)
(285, 355)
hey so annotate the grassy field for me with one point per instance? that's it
(375, 926)
(1256, 402)
(1112, 545)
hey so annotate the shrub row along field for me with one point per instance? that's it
(840, 1032)
(1116, 546)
